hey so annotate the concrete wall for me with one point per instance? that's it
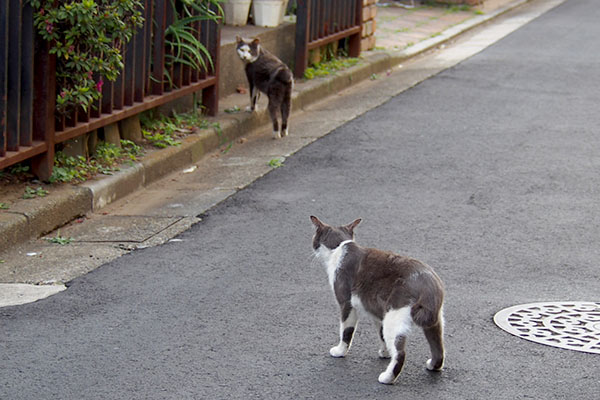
(279, 41)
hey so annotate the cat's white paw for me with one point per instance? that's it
(387, 378)
(383, 353)
(338, 351)
(249, 109)
(429, 366)
(276, 135)
(284, 132)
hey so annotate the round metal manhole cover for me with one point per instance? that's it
(573, 325)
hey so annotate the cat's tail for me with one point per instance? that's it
(425, 315)
(427, 310)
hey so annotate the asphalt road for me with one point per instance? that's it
(489, 172)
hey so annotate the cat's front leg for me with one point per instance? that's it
(254, 92)
(347, 326)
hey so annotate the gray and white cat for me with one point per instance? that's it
(268, 74)
(397, 292)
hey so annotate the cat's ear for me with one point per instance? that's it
(352, 225)
(317, 222)
(238, 39)
(256, 41)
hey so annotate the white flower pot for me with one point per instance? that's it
(236, 12)
(283, 9)
(267, 12)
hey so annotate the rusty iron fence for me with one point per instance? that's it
(29, 125)
(320, 22)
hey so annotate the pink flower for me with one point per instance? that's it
(42, 12)
(49, 27)
(63, 94)
(89, 74)
(99, 85)
(71, 48)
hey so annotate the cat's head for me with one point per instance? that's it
(248, 51)
(330, 236)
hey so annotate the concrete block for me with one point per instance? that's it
(367, 28)
(367, 43)
(76, 147)
(111, 134)
(131, 129)
(92, 141)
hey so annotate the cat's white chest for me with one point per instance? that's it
(332, 259)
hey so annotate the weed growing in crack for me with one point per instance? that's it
(32, 193)
(276, 162)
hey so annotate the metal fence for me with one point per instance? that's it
(320, 22)
(29, 125)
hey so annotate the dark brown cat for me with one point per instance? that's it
(396, 291)
(268, 74)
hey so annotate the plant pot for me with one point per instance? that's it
(267, 12)
(283, 10)
(236, 12)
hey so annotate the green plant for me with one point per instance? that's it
(329, 67)
(31, 193)
(276, 162)
(232, 110)
(132, 150)
(105, 160)
(18, 169)
(4, 206)
(374, 77)
(181, 36)
(60, 239)
(87, 37)
(160, 140)
(163, 131)
(69, 169)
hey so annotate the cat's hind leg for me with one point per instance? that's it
(396, 326)
(347, 327)
(435, 338)
(286, 106)
(273, 113)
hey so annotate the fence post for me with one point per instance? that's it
(302, 37)
(3, 71)
(44, 102)
(354, 40)
(210, 95)
(158, 56)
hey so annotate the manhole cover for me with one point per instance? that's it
(571, 325)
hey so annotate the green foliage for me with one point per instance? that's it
(276, 162)
(105, 161)
(31, 193)
(132, 150)
(160, 140)
(232, 110)
(181, 37)
(87, 37)
(329, 67)
(60, 239)
(4, 206)
(18, 169)
(164, 131)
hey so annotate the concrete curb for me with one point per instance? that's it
(68, 203)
